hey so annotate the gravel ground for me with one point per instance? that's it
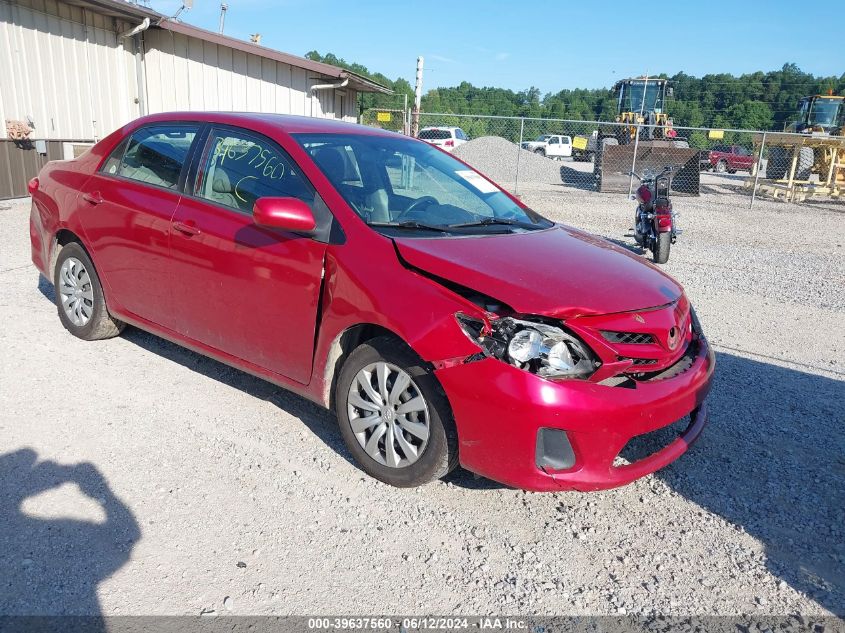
(137, 477)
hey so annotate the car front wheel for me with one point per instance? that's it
(394, 416)
(79, 296)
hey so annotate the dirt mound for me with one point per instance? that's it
(497, 157)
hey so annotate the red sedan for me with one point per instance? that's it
(440, 318)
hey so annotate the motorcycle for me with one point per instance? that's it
(655, 222)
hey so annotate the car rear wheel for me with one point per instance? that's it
(79, 296)
(394, 416)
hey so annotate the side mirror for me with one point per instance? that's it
(289, 214)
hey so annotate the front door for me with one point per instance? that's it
(126, 211)
(245, 290)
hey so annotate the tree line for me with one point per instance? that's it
(754, 101)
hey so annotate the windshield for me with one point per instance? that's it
(632, 97)
(397, 183)
(825, 112)
(543, 137)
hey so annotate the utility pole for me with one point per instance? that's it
(223, 8)
(637, 139)
(415, 118)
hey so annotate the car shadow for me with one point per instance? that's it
(772, 464)
(321, 422)
(52, 566)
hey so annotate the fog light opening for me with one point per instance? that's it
(554, 451)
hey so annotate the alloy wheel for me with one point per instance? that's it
(388, 415)
(76, 292)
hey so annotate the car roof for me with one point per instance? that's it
(440, 127)
(289, 123)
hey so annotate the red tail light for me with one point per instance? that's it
(449, 143)
(32, 185)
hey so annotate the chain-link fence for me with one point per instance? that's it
(393, 119)
(527, 154)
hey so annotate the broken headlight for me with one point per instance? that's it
(542, 349)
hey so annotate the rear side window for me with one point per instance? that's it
(459, 133)
(154, 155)
(238, 168)
(112, 163)
(435, 135)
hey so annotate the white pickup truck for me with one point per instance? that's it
(550, 145)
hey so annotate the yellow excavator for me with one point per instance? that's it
(819, 116)
(641, 103)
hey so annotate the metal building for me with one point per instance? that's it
(75, 70)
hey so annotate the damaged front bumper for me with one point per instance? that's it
(500, 409)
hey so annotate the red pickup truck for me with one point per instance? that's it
(727, 158)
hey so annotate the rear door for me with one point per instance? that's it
(245, 290)
(126, 209)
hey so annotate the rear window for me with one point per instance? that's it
(435, 135)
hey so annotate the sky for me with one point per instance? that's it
(544, 43)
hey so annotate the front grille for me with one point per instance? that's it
(627, 338)
(640, 362)
(642, 446)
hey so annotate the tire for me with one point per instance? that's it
(540, 151)
(780, 162)
(721, 167)
(660, 254)
(804, 168)
(439, 452)
(79, 296)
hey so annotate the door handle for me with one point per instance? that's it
(94, 197)
(186, 229)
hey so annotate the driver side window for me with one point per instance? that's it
(238, 168)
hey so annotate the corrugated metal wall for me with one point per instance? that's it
(187, 73)
(66, 69)
(20, 162)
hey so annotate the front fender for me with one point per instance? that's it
(380, 291)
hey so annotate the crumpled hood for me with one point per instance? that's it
(560, 272)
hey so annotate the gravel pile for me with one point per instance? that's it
(233, 496)
(496, 158)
